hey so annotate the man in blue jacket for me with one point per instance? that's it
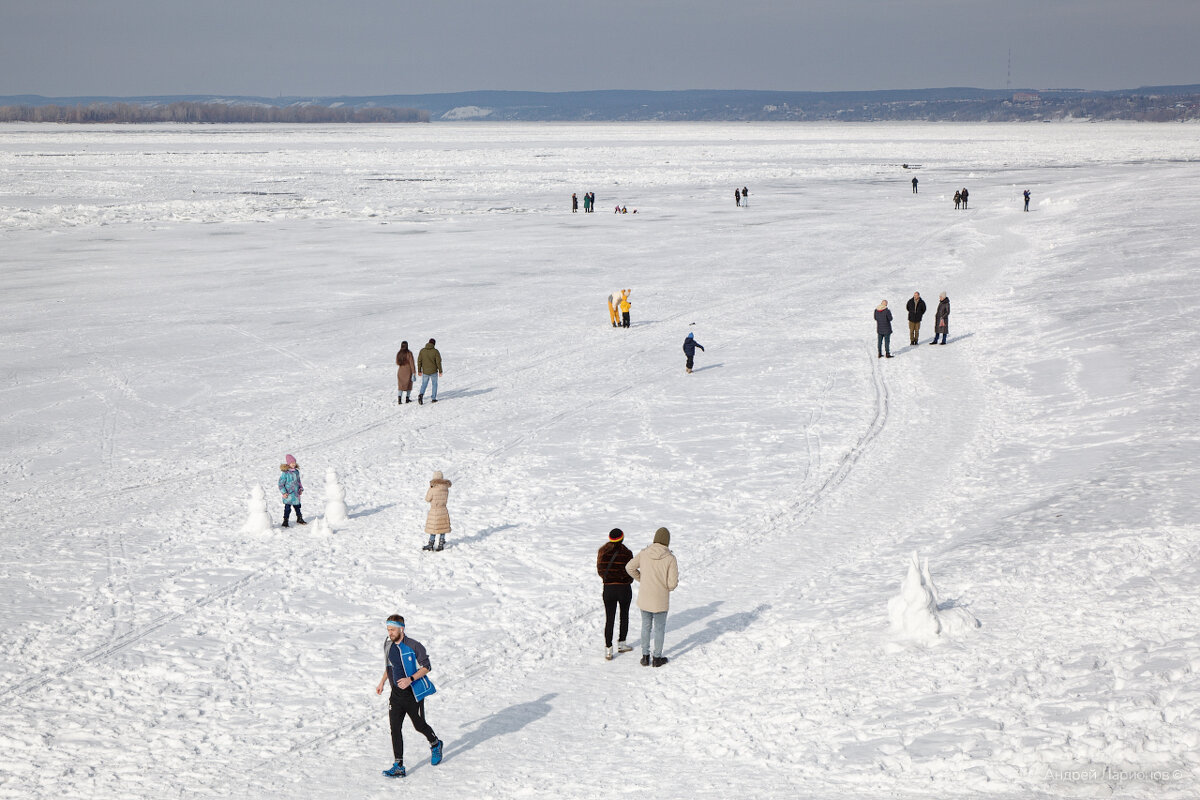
(689, 349)
(406, 665)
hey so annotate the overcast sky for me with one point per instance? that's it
(361, 47)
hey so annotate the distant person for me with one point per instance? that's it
(689, 349)
(914, 184)
(745, 196)
(916, 310)
(614, 310)
(883, 327)
(965, 195)
(437, 521)
(941, 319)
(617, 208)
(658, 572)
(587, 202)
(737, 197)
(405, 669)
(1026, 193)
(625, 305)
(406, 371)
(618, 589)
(574, 203)
(957, 200)
(291, 487)
(429, 367)
(593, 194)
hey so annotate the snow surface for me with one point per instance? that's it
(185, 305)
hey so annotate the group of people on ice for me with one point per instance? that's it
(427, 366)
(589, 202)
(916, 312)
(741, 197)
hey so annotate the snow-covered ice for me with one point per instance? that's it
(185, 305)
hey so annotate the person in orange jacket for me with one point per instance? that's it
(625, 303)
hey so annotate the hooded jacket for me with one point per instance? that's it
(943, 311)
(429, 362)
(689, 346)
(658, 572)
(290, 486)
(438, 520)
(883, 321)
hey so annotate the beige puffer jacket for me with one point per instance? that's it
(658, 571)
(438, 520)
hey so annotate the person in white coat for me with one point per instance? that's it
(656, 569)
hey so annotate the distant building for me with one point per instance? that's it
(1027, 98)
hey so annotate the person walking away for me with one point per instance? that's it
(574, 203)
(737, 197)
(437, 522)
(965, 195)
(291, 487)
(618, 589)
(1026, 193)
(429, 367)
(406, 669)
(656, 569)
(914, 184)
(957, 200)
(745, 197)
(689, 349)
(941, 319)
(916, 310)
(406, 370)
(614, 302)
(883, 327)
(625, 304)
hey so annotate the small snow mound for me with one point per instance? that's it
(917, 612)
(335, 500)
(258, 520)
(321, 527)
(362, 366)
(467, 112)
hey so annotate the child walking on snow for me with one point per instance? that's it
(437, 523)
(689, 349)
(291, 488)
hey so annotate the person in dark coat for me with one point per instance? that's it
(941, 319)
(883, 327)
(1026, 193)
(406, 370)
(737, 196)
(914, 184)
(574, 203)
(689, 349)
(618, 589)
(965, 195)
(916, 310)
(957, 200)
(745, 196)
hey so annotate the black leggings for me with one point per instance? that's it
(287, 510)
(616, 594)
(404, 703)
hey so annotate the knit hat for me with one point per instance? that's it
(290, 459)
(691, 336)
(662, 536)
(616, 535)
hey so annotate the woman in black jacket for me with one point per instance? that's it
(618, 589)
(883, 327)
(941, 320)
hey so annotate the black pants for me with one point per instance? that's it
(616, 594)
(287, 512)
(624, 319)
(690, 359)
(405, 703)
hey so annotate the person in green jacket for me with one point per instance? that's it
(429, 367)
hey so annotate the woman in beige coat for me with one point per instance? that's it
(437, 524)
(406, 370)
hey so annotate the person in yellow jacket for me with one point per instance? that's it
(624, 305)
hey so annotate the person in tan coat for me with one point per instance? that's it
(406, 370)
(437, 524)
(656, 569)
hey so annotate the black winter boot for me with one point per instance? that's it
(420, 399)
(658, 662)
(441, 545)
(646, 660)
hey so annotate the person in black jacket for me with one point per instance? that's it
(883, 327)
(914, 184)
(689, 349)
(941, 319)
(916, 310)
(618, 589)
(965, 195)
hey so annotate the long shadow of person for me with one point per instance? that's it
(734, 623)
(502, 723)
(693, 614)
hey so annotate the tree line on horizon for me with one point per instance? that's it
(188, 111)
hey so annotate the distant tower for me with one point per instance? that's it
(1008, 81)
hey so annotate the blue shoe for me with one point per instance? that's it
(435, 753)
(397, 771)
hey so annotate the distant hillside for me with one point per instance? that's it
(1153, 103)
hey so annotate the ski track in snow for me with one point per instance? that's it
(1043, 461)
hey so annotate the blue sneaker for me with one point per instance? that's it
(435, 753)
(397, 771)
